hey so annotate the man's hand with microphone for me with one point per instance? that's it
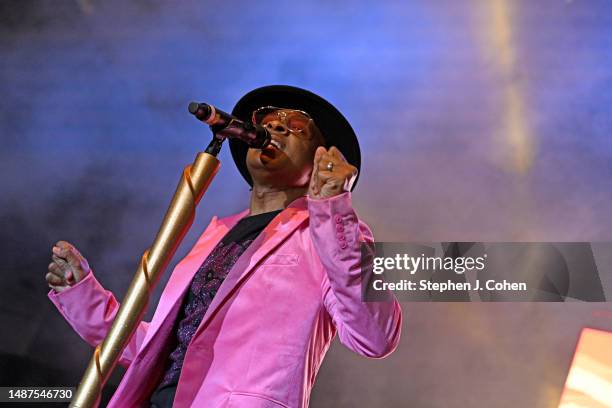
(67, 267)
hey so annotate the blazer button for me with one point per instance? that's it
(343, 245)
(340, 236)
(339, 228)
(338, 219)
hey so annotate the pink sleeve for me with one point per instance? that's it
(368, 328)
(90, 310)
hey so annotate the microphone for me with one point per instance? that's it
(225, 125)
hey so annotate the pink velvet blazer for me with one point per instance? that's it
(263, 338)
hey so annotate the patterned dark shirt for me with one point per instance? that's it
(204, 287)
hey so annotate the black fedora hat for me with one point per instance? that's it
(336, 130)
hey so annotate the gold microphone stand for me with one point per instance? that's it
(179, 217)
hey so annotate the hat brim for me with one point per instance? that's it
(336, 130)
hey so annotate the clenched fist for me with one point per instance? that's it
(331, 174)
(67, 267)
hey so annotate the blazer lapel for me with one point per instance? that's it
(275, 233)
(185, 270)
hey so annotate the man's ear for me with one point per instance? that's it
(317, 135)
(322, 142)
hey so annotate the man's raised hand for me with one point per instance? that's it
(67, 266)
(331, 174)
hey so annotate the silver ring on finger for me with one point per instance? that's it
(330, 166)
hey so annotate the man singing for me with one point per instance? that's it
(248, 315)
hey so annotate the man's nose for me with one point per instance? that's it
(277, 126)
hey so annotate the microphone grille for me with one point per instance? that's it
(193, 107)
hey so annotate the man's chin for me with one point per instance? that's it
(271, 158)
(266, 167)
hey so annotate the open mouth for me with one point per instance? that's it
(276, 144)
(272, 150)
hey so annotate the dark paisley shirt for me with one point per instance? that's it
(204, 287)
